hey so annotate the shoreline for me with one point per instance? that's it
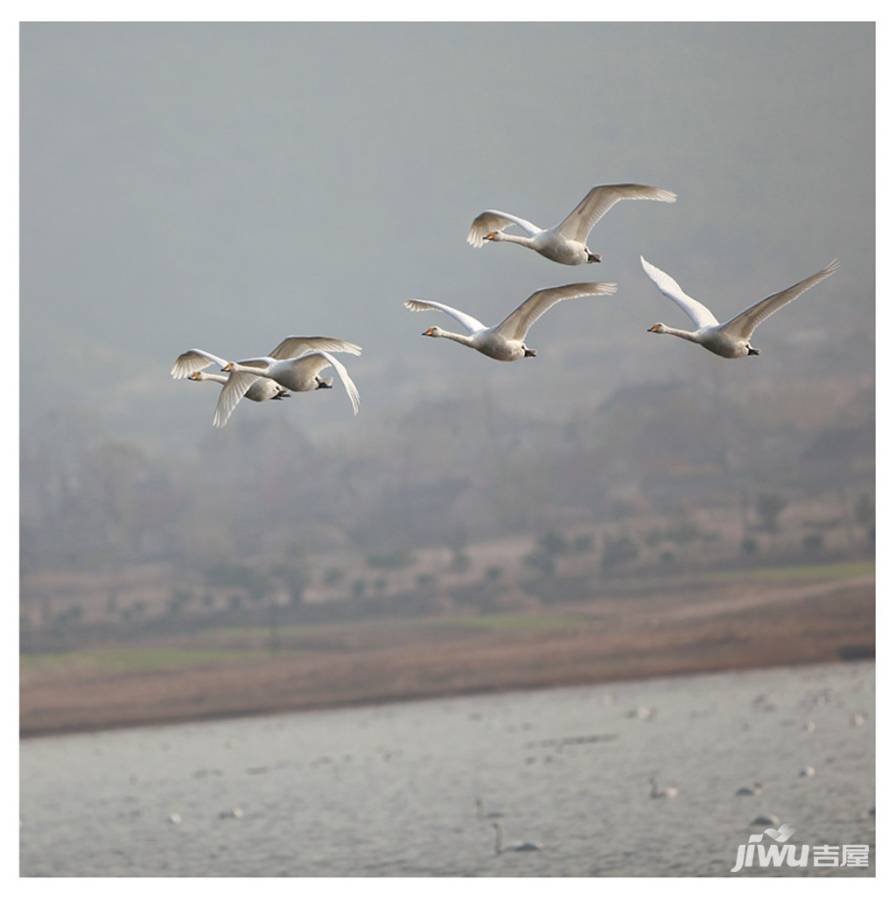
(345, 665)
(259, 712)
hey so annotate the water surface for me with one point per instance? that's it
(392, 790)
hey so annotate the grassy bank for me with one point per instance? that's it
(773, 616)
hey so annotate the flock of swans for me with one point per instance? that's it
(296, 362)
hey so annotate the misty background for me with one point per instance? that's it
(224, 185)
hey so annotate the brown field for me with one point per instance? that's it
(795, 615)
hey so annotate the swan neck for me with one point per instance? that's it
(464, 339)
(685, 335)
(514, 239)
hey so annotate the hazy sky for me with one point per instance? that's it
(224, 185)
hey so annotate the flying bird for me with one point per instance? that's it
(292, 361)
(263, 389)
(299, 374)
(731, 339)
(564, 243)
(506, 341)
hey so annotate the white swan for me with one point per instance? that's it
(241, 383)
(196, 360)
(506, 341)
(731, 339)
(301, 373)
(262, 389)
(564, 243)
(525, 847)
(662, 793)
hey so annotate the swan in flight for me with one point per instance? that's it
(526, 847)
(262, 389)
(290, 365)
(299, 373)
(506, 341)
(564, 243)
(731, 339)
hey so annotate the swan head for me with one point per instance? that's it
(229, 367)
(659, 328)
(433, 331)
(195, 376)
(491, 236)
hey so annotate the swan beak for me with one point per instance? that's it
(228, 367)
(491, 236)
(654, 329)
(194, 376)
(430, 332)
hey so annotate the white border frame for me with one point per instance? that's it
(460, 10)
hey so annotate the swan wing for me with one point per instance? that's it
(495, 220)
(692, 308)
(516, 326)
(296, 346)
(313, 363)
(465, 319)
(600, 200)
(744, 324)
(231, 394)
(194, 361)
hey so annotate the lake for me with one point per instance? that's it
(414, 788)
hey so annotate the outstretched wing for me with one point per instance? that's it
(313, 363)
(744, 324)
(231, 394)
(600, 200)
(295, 345)
(465, 319)
(495, 220)
(692, 308)
(516, 326)
(194, 361)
